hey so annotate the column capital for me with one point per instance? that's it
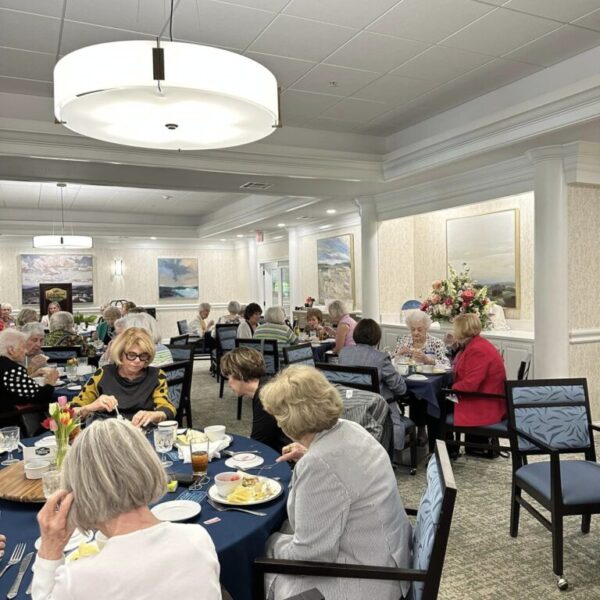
(545, 153)
(367, 206)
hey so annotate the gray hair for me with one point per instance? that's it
(275, 314)
(204, 306)
(10, 338)
(62, 320)
(417, 317)
(234, 307)
(26, 315)
(121, 324)
(6, 305)
(337, 309)
(30, 329)
(111, 312)
(111, 469)
(144, 321)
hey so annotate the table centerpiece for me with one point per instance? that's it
(64, 424)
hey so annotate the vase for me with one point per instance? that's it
(62, 447)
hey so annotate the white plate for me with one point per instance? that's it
(417, 377)
(47, 442)
(176, 510)
(275, 486)
(59, 383)
(252, 461)
(74, 388)
(73, 542)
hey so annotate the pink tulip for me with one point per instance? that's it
(62, 401)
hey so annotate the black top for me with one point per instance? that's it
(264, 425)
(16, 387)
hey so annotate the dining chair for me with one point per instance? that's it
(180, 340)
(61, 354)
(553, 417)
(298, 354)
(181, 352)
(225, 338)
(183, 327)
(179, 382)
(362, 378)
(430, 540)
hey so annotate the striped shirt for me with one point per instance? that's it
(273, 331)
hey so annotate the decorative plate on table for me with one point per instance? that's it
(264, 491)
(244, 460)
(176, 510)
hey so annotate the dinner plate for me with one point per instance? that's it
(417, 377)
(275, 486)
(47, 441)
(74, 388)
(226, 441)
(176, 510)
(244, 460)
(58, 383)
(73, 542)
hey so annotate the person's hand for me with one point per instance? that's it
(54, 525)
(103, 403)
(210, 324)
(50, 376)
(293, 451)
(38, 361)
(403, 351)
(143, 418)
(421, 357)
(2, 544)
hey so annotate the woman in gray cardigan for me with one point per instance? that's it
(344, 504)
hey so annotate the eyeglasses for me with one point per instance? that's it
(144, 356)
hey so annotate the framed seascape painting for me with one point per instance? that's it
(489, 245)
(77, 269)
(177, 278)
(335, 265)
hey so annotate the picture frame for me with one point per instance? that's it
(335, 268)
(178, 278)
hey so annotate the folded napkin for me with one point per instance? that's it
(214, 450)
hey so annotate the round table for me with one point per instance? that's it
(239, 538)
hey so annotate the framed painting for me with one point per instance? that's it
(489, 245)
(335, 266)
(178, 278)
(78, 269)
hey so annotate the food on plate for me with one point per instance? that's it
(85, 549)
(253, 488)
(192, 435)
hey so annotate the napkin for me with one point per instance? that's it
(214, 450)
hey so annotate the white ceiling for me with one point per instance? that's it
(359, 66)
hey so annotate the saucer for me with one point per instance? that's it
(244, 460)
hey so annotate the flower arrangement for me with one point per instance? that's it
(309, 302)
(457, 295)
(63, 423)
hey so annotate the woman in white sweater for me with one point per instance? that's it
(110, 476)
(344, 504)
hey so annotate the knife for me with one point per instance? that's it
(14, 590)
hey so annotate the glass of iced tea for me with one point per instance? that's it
(199, 453)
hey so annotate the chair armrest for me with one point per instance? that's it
(535, 441)
(322, 569)
(470, 393)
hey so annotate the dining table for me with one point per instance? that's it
(239, 538)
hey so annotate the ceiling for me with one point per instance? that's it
(344, 65)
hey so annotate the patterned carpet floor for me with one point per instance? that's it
(482, 562)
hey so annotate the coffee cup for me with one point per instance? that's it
(35, 468)
(215, 433)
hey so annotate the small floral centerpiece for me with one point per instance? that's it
(309, 302)
(63, 423)
(457, 295)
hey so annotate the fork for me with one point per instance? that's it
(119, 416)
(244, 510)
(16, 556)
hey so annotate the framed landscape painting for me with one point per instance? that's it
(335, 265)
(489, 245)
(177, 278)
(77, 269)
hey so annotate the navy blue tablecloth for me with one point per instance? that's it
(239, 538)
(430, 390)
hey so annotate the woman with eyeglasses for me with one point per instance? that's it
(128, 384)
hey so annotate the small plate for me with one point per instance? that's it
(73, 542)
(246, 460)
(176, 510)
(275, 486)
(47, 442)
(58, 383)
(417, 377)
(74, 388)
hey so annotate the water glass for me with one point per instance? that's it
(71, 372)
(11, 443)
(50, 482)
(163, 442)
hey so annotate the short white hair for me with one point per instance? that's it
(234, 307)
(6, 305)
(111, 469)
(144, 321)
(62, 320)
(275, 314)
(204, 306)
(11, 338)
(337, 309)
(417, 317)
(30, 329)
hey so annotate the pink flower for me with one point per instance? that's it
(448, 302)
(53, 425)
(62, 401)
(468, 295)
(424, 306)
(437, 284)
(435, 299)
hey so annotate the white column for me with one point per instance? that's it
(551, 264)
(253, 273)
(296, 292)
(369, 257)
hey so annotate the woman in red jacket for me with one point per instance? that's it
(478, 367)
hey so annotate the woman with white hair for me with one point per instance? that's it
(62, 333)
(344, 505)
(53, 307)
(201, 325)
(233, 314)
(16, 386)
(344, 334)
(419, 345)
(275, 327)
(5, 315)
(109, 477)
(35, 360)
(147, 322)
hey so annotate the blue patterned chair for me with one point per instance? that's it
(430, 539)
(180, 340)
(361, 378)
(179, 382)
(300, 354)
(552, 416)
(61, 354)
(225, 339)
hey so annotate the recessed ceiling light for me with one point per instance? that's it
(278, 237)
(240, 235)
(153, 237)
(325, 227)
(280, 224)
(331, 211)
(223, 239)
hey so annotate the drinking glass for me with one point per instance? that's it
(163, 442)
(11, 443)
(71, 372)
(199, 455)
(50, 482)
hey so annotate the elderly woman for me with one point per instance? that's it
(275, 328)
(478, 367)
(62, 333)
(106, 329)
(162, 355)
(26, 315)
(105, 359)
(344, 504)
(252, 315)
(419, 345)
(53, 307)
(16, 386)
(109, 478)
(201, 325)
(6, 316)
(245, 371)
(128, 384)
(35, 360)
(233, 314)
(345, 325)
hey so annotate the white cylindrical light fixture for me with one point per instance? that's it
(66, 242)
(118, 267)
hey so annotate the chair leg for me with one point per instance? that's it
(239, 408)
(414, 441)
(515, 508)
(586, 521)
(557, 545)
(221, 386)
